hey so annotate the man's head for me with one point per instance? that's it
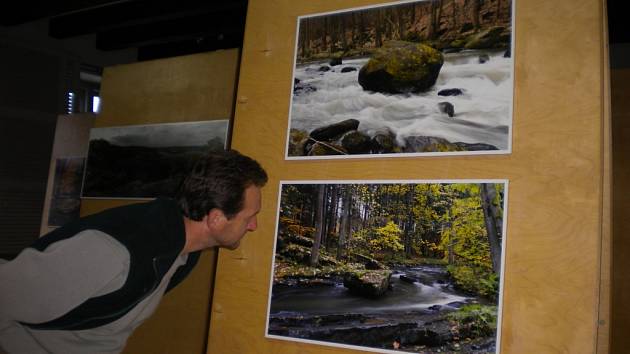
(222, 195)
(219, 180)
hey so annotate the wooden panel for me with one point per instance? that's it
(620, 325)
(188, 88)
(555, 172)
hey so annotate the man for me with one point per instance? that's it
(85, 287)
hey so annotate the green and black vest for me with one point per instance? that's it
(154, 235)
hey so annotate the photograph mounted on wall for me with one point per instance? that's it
(147, 161)
(65, 201)
(426, 78)
(390, 266)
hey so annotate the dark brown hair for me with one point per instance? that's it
(218, 180)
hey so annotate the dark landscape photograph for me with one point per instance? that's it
(147, 161)
(432, 77)
(389, 266)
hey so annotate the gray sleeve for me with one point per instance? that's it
(41, 286)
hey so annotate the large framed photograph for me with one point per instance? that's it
(421, 78)
(390, 266)
(147, 161)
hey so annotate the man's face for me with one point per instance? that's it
(245, 220)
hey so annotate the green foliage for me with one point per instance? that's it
(378, 241)
(387, 238)
(476, 320)
(475, 280)
(465, 243)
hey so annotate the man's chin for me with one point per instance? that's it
(232, 246)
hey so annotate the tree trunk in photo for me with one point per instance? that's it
(333, 25)
(324, 34)
(378, 29)
(487, 192)
(332, 221)
(476, 7)
(305, 38)
(401, 22)
(498, 12)
(319, 225)
(454, 14)
(342, 33)
(345, 222)
(409, 224)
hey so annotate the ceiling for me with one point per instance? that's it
(157, 29)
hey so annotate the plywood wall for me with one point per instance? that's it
(555, 171)
(181, 89)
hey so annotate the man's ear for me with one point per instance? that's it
(216, 219)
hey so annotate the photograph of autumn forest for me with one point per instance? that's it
(389, 266)
(65, 201)
(147, 161)
(430, 77)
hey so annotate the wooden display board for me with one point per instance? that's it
(181, 89)
(555, 172)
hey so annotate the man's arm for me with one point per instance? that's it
(41, 286)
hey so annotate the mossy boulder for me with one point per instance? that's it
(324, 149)
(401, 67)
(332, 131)
(368, 283)
(356, 142)
(297, 141)
(429, 144)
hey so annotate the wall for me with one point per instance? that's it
(621, 204)
(554, 232)
(188, 88)
(29, 104)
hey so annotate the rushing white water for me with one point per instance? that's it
(482, 113)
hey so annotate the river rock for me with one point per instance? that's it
(324, 149)
(301, 88)
(334, 61)
(348, 69)
(408, 279)
(384, 143)
(447, 107)
(297, 142)
(450, 92)
(401, 67)
(475, 146)
(356, 142)
(484, 58)
(324, 68)
(369, 283)
(429, 144)
(332, 131)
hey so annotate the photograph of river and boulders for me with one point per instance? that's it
(388, 266)
(425, 77)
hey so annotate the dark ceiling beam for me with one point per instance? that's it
(23, 11)
(135, 13)
(192, 46)
(206, 27)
